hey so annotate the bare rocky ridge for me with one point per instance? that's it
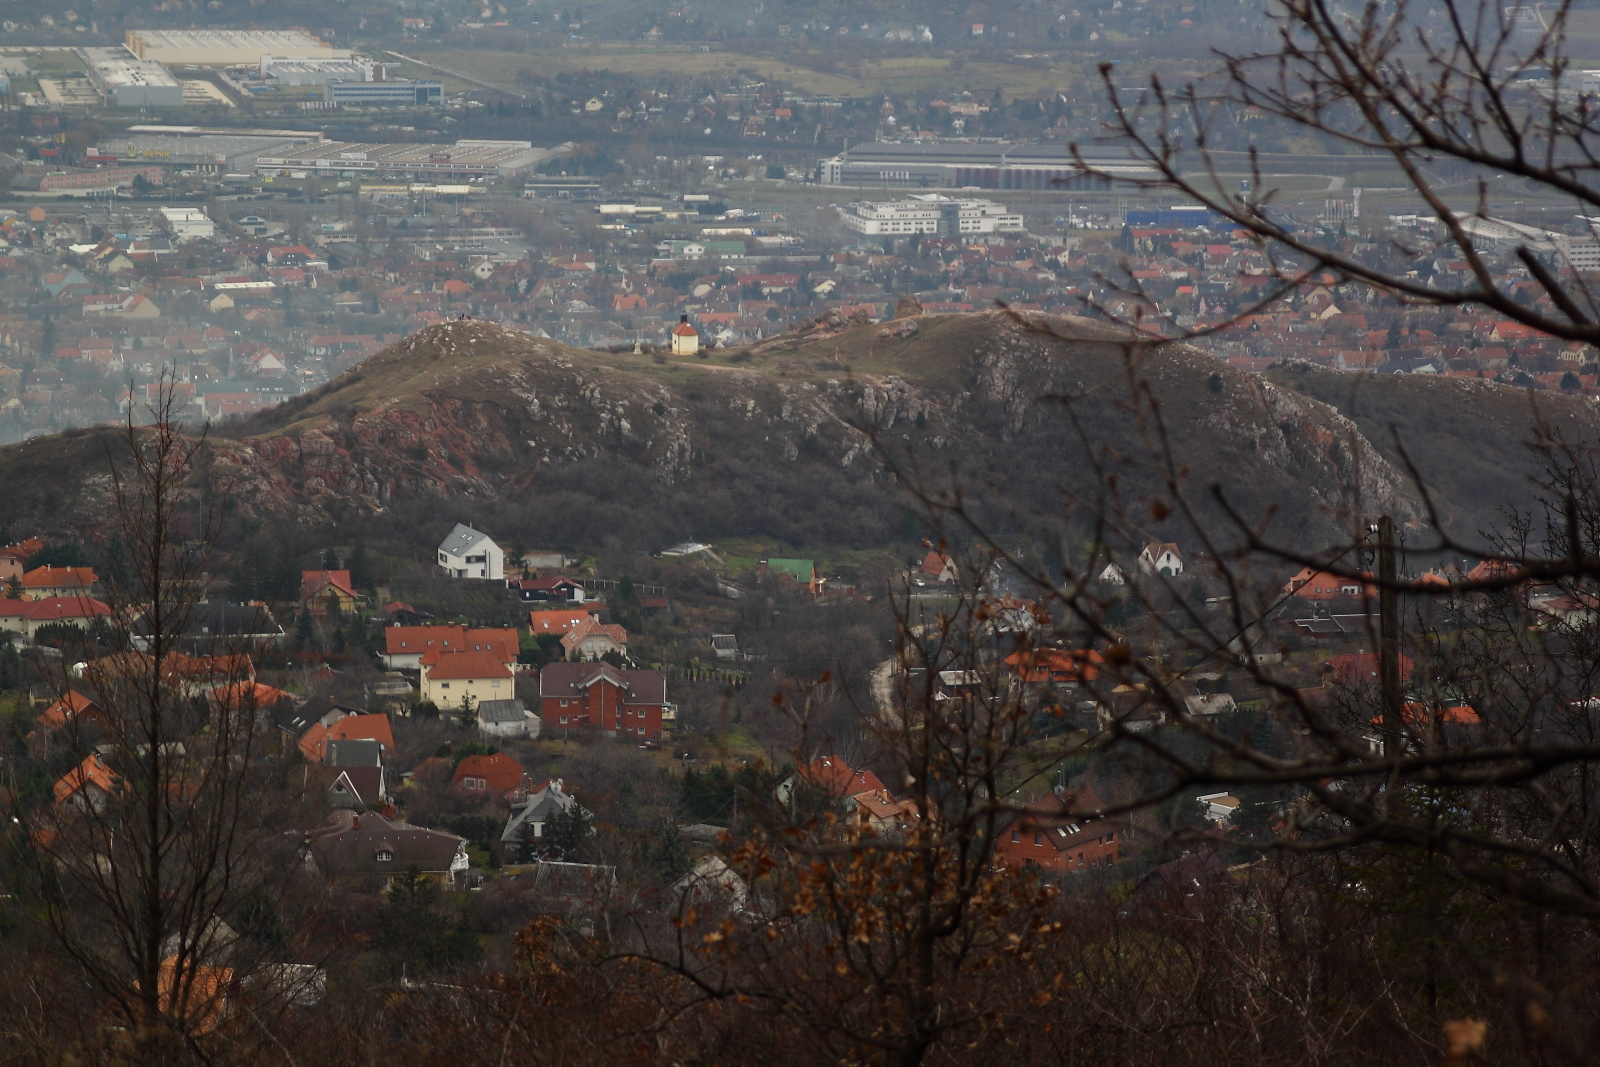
(790, 438)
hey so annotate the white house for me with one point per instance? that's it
(1162, 559)
(469, 553)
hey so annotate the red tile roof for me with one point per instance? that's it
(468, 665)
(501, 773)
(59, 578)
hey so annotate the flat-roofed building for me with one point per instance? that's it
(319, 71)
(930, 213)
(385, 93)
(192, 148)
(982, 166)
(128, 81)
(227, 48)
(464, 159)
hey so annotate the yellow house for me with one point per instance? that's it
(43, 583)
(449, 678)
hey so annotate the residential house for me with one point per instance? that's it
(507, 718)
(352, 774)
(1161, 558)
(405, 646)
(328, 592)
(598, 696)
(245, 695)
(315, 742)
(457, 679)
(215, 624)
(352, 847)
(41, 583)
(26, 617)
(1312, 584)
(294, 721)
(525, 826)
(591, 639)
(938, 567)
(89, 786)
(496, 775)
(560, 621)
(72, 710)
(552, 588)
(1059, 668)
(1059, 833)
(469, 553)
(835, 778)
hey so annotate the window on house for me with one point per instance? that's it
(563, 718)
(1016, 836)
(444, 685)
(384, 855)
(495, 684)
(1038, 838)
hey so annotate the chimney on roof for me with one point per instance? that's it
(355, 822)
(683, 318)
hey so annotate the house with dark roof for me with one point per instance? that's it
(525, 825)
(507, 718)
(598, 696)
(351, 847)
(469, 553)
(552, 588)
(214, 624)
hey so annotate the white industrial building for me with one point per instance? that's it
(227, 48)
(947, 165)
(188, 223)
(316, 70)
(462, 160)
(385, 93)
(930, 213)
(128, 81)
(1504, 237)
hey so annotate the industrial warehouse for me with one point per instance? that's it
(227, 48)
(464, 159)
(885, 164)
(208, 150)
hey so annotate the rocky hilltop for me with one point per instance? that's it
(807, 436)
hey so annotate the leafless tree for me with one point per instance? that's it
(160, 859)
(1455, 95)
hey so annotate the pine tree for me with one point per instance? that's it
(567, 830)
(668, 856)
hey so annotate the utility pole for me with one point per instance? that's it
(1389, 638)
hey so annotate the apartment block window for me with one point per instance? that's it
(1016, 836)
(1038, 838)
